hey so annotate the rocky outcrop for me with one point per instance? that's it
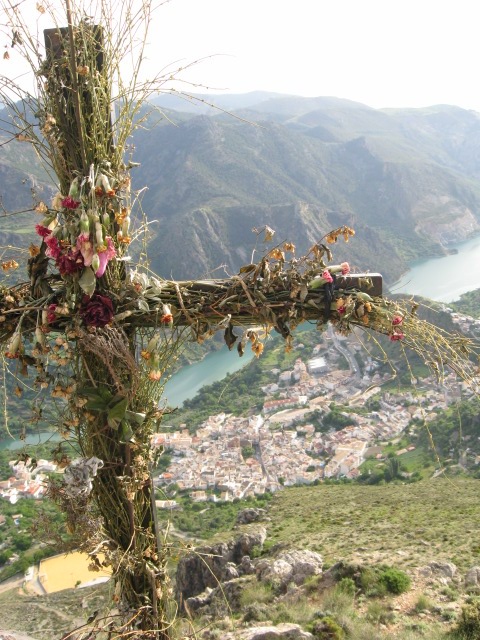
(436, 570)
(290, 566)
(220, 601)
(209, 566)
(472, 578)
(284, 631)
(249, 515)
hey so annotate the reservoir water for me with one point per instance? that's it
(446, 278)
(215, 366)
(9, 444)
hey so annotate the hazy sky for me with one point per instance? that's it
(383, 53)
(380, 52)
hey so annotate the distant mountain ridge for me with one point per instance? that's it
(407, 180)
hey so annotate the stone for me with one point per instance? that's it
(290, 566)
(286, 631)
(472, 578)
(439, 570)
(209, 566)
(246, 566)
(250, 514)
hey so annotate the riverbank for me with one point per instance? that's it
(444, 278)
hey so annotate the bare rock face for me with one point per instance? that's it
(209, 566)
(284, 631)
(290, 566)
(218, 602)
(437, 570)
(249, 515)
(472, 579)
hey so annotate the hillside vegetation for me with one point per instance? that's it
(407, 180)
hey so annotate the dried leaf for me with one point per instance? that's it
(229, 337)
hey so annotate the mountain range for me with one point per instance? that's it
(407, 180)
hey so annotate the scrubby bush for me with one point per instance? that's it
(395, 580)
(326, 629)
(379, 614)
(256, 612)
(347, 586)
(468, 625)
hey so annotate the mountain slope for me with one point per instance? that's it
(407, 180)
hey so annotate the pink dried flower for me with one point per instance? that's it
(85, 246)
(70, 262)
(342, 309)
(70, 203)
(105, 256)
(42, 230)
(51, 315)
(397, 320)
(326, 275)
(397, 336)
(53, 247)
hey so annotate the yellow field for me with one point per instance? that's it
(67, 571)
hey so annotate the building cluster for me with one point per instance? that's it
(285, 443)
(231, 457)
(27, 480)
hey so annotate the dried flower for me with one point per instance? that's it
(97, 310)
(15, 347)
(70, 203)
(289, 246)
(397, 336)
(85, 246)
(6, 55)
(155, 375)
(345, 268)
(269, 233)
(41, 208)
(145, 354)
(42, 230)
(83, 70)
(341, 309)
(397, 320)
(33, 250)
(9, 265)
(70, 262)
(105, 255)
(257, 348)
(326, 275)
(167, 317)
(276, 254)
(53, 247)
(51, 314)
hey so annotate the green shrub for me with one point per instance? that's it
(379, 614)
(255, 593)
(370, 584)
(395, 580)
(468, 625)
(347, 586)
(423, 603)
(256, 612)
(326, 629)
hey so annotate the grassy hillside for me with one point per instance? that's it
(408, 525)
